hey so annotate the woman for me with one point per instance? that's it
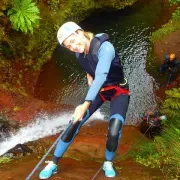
(106, 79)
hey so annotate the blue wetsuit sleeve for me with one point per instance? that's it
(106, 54)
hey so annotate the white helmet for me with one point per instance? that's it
(66, 30)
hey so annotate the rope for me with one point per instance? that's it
(125, 152)
(44, 157)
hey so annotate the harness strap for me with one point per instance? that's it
(102, 97)
(113, 86)
(118, 89)
(107, 88)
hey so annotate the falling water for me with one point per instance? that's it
(41, 127)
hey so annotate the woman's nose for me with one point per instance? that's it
(73, 46)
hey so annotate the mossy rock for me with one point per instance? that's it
(7, 126)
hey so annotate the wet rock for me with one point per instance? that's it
(18, 151)
(7, 127)
(150, 131)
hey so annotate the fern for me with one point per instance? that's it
(174, 2)
(171, 138)
(164, 151)
(171, 106)
(24, 15)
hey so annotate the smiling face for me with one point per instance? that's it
(76, 42)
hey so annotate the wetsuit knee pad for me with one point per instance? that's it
(73, 129)
(115, 126)
(70, 132)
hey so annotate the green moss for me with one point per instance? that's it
(4, 160)
(9, 87)
(116, 4)
(172, 26)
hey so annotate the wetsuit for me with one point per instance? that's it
(103, 64)
(171, 66)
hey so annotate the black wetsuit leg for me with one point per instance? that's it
(118, 110)
(73, 129)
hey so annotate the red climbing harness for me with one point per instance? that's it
(117, 91)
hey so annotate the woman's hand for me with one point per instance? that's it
(80, 111)
(89, 79)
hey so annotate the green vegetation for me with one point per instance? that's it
(4, 160)
(172, 26)
(24, 15)
(174, 2)
(171, 106)
(54, 5)
(176, 14)
(164, 151)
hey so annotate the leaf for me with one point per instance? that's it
(24, 15)
(11, 11)
(1, 14)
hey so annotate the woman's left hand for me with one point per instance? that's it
(80, 111)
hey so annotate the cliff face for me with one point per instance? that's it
(165, 40)
(167, 45)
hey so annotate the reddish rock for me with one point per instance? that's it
(24, 109)
(85, 156)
